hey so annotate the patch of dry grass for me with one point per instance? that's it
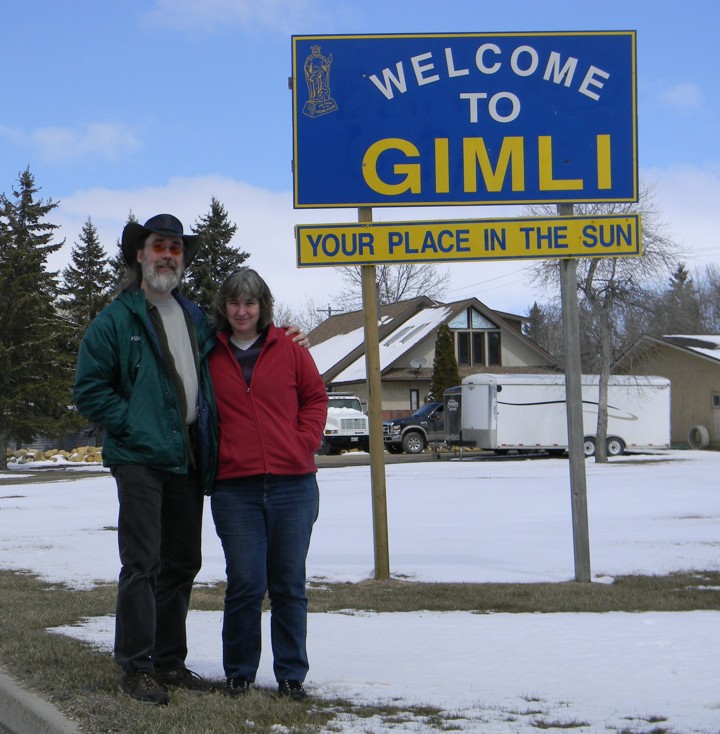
(83, 682)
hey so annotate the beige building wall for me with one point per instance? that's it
(425, 350)
(396, 396)
(694, 382)
(517, 353)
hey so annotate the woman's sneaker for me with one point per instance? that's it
(292, 689)
(142, 686)
(237, 687)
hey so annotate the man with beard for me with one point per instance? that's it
(142, 375)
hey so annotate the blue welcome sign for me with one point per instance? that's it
(466, 118)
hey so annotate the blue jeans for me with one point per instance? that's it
(159, 531)
(264, 523)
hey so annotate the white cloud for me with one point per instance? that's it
(265, 226)
(686, 198)
(61, 144)
(682, 97)
(266, 223)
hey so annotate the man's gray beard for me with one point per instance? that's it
(161, 282)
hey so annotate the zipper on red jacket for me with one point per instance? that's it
(250, 397)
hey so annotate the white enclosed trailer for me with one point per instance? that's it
(528, 412)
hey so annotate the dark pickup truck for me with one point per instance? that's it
(412, 434)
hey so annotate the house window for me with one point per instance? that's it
(478, 347)
(477, 340)
(493, 338)
(716, 401)
(462, 347)
(414, 400)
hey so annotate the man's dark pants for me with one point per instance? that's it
(159, 538)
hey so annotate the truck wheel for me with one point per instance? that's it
(413, 443)
(589, 446)
(615, 446)
(326, 449)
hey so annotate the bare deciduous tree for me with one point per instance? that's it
(307, 316)
(394, 283)
(708, 286)
(611, 289)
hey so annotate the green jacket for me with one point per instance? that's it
(122, 384)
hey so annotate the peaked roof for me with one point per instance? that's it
(702, 345)
(339, 340)
(343, 323)
(338, 345)
(398, 341)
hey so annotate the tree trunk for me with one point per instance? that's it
(604, 378)
(3, 450)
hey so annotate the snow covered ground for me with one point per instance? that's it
(458, 521)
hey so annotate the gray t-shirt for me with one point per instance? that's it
(178, 339)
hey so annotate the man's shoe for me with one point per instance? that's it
(292, 689)
(142, 686)
(237, 687)
(183, 678)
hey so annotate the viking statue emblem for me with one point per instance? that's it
(317, 77)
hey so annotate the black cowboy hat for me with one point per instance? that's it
(134, 234)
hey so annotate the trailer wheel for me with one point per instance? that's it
(413, 442)
(615, 446)
(589, 446)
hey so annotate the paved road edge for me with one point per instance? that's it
(24, 712)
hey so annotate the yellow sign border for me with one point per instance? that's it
(458, 240)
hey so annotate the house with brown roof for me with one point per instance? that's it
(692, 364)
(485, 341)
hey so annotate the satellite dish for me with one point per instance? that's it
(417, 364)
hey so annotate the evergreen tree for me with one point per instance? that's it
(87, 281)
(445, 367)
(118, 266)
(535, 324)
(541, 326)
(544, 327)
(36, 359)
(677, 310)
(215, 259)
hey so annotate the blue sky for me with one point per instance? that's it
(158, 105)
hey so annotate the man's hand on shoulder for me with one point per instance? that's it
(298, 336)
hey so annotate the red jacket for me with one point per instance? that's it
(275, 426)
